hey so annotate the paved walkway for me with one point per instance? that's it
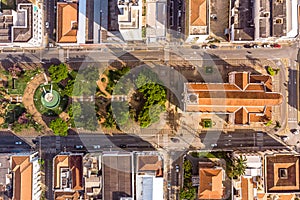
(102, 85)
(29, 102)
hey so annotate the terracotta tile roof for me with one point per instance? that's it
(261, 196)
(233, 96)
(242, 80)
(74, 164)
(282, 173)
(198, 13)
(149, 163)
(241, 116)
(267, 80)
(74, 195)
(22, 169)
(247, 188)
(67, 19)
(210, 186)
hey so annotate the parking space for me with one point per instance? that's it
(219, 18)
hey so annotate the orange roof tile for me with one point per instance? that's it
(247, 188)
(231, 97)
(210, 186)
(67, 15)
(198, 12)
(22, 169)
(74, 164)
(242, 80)
(241, 116)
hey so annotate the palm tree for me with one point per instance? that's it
(240, 165)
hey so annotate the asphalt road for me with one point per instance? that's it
(239, 140)
(10, 143)
(50, 17)
(175, 53)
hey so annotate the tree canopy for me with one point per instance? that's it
(58, 72)
(68, 90)
(155, 99)
(237, 167)
(59, 127)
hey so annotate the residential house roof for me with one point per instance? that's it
(247, 188)
(198, 13)
(210, 186)
(67, 19)
(282, 173)
(22, 183)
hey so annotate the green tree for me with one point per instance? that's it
(237, 167)
(59, 127)
(155, 99)
(85, 83)
(110, 121)
(58, 72)
(188, 193)
(68, 90)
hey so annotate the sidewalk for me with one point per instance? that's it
(28, 100)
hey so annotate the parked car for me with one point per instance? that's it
(266, 45)
(284, 138)
(255, 46)
(238, 47)
(177, 169)
(276, 45)
(247, 46)
(213, 46)
(295, 131)
(47, 24)
(18, 142)
(175, 140)
(108, 146)
(205, 46)
(96, 146)
(122, 145)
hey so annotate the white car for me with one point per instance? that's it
(284, 138)
(214, 145)
(47, 24)
(295, 131)
(18, 142)
(96, 146)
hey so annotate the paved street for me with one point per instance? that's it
(239, 140)
(178, 53)
(11, 143)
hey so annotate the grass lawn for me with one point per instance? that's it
(21, 81)
(8, 4)
(20, 85)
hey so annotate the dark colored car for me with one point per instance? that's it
(213, 46)
(175, 140)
